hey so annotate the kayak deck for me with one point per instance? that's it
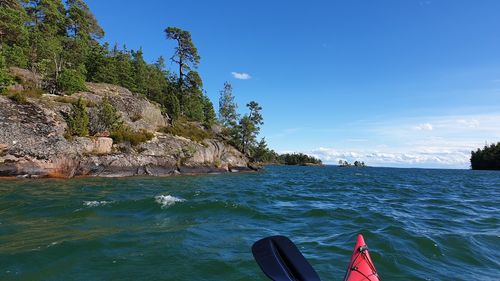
(361, 267)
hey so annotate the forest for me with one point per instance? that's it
(487, 158)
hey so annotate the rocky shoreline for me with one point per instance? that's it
(33, 143)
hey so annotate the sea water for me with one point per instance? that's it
(420, 224)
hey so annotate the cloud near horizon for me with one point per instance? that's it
(455, 158)
(447, 143)
(241, 75)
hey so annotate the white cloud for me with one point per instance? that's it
(241, 75)
(424, 127)
(473, 123)
(447, 142)
(455, 158)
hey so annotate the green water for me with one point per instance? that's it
(419, 224)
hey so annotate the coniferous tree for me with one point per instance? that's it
(140, 72)
(81, 22)
(246, 135)
(124, 68)
(228, 117)
(209, 112)
(13, 32)
(186, 54)
(5, 78)
(172, 106)
(192, 99)
(78, 120)
(487, 158)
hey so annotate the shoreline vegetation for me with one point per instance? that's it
(291, 159)
(79, 107)
(356, 164)
(487, 158)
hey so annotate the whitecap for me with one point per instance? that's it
(95, 203)
(167, 200)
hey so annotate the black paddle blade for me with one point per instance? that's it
(281, 260)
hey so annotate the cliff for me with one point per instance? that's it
(33, 143)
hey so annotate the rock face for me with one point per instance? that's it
(32, 142)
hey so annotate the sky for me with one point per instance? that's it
(392, 83)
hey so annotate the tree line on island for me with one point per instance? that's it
(487, 158)
(58, 41)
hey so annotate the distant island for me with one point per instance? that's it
(343, 163)
(487, 158)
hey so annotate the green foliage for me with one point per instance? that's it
(172, 106)
(71, 81)
(344, 163)
(140, 73)
(262, 154)
(208, 112)
(12, 22)
(81, 21)
(192, 107)
(124, 133)
(18, 98)
(248, 128)
(186, 54)
(106, 119)
(15, 55)
(188, 130)
(246, 136)
(298, 159)
(78, 120)
(5, 79)
(487, 158)
(228, 117)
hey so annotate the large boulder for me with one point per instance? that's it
(135, 110)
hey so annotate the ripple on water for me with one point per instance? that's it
(420, 224)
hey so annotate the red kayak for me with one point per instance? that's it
(361, 267)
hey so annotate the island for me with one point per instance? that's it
(72, 105)
(344, 163)
(487, 158)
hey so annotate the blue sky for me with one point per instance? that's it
(410, 83)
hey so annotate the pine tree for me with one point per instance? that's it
(13, 32)
(81, 22)
(186, 54)
(124, 68)
(78, 120)
(227, 107)
(5, 79)
(246, 129)
(140, 72)
(208, 112)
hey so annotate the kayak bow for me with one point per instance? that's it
(361, 267)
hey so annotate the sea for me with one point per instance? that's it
(419, 224)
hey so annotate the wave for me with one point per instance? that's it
(95, 203)
(167, 200)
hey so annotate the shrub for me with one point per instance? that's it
(78, 120)
(32, 93)
(71, 81)
(188, 130)
(106, 118)
(125, 133)
(66, 99)
(18, 98)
